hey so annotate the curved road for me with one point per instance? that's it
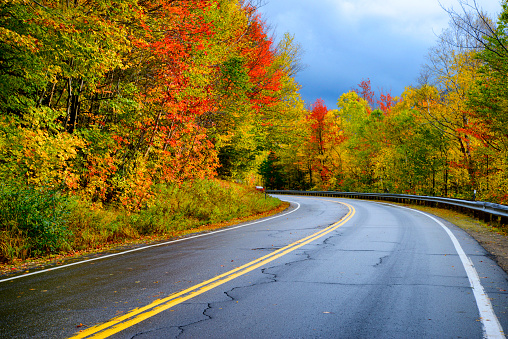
(325, 268)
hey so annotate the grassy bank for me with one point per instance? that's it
(41, 222)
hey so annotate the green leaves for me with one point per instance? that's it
(101, 95)
(490, 93)
(38, 214)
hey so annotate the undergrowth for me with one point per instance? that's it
(33, 221)
(42, 221)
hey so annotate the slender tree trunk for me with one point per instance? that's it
(39, 102)
(77, 105)
(446, 182)
(60, 96)
(73, 108)
(310, 173)
(487, 173)
(69, 102)
(51, 94)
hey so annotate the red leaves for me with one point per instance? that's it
(318, 110)
(142, 82)
(364, 91)
(173, 102)
(323, 138)
(317, 116)
(386, 103)
(260, 55)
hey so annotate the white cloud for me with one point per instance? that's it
(415, 18)
(420, 19)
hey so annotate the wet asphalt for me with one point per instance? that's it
(387, 273)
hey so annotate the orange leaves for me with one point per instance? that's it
(321, 151)
(260, 57)
(169, 138)
(135, 91)
(317, 120)
(386, 102)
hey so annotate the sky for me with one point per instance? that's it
(347, 41)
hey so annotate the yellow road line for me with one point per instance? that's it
(137, 315)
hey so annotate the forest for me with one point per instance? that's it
(110, 110)
(446, 136)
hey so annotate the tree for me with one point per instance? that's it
(365, 92)
(453, 69)
(272, 172)
(320, 153)
(488, 97)
(490, 94)
(109, 99)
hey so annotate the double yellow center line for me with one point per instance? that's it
(137, 315)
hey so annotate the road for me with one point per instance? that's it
(325, 268)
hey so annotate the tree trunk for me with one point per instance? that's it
(73, 109)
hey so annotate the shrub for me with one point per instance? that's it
(32, 220)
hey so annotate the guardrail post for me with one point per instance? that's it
(503, 222)
(486, 217)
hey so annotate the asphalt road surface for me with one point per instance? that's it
(325, 268)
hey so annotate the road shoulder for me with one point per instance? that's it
(492, 239)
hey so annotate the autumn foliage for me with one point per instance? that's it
(107, 100)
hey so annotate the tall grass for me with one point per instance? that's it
(195, 204)
(36, 222)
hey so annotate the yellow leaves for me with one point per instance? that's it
(46, 156)
(351, 106)
(52, 72)
(21, 41)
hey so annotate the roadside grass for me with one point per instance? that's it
(176, 211)
(462, 220)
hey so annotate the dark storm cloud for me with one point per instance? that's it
(347, 41)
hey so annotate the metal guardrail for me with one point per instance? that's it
(486, 211)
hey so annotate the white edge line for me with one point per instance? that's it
(150, 246)
(491, 326)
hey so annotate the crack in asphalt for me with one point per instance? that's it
(182, 328)
(266, 248)
(153, 330)
(273, 278)
(302, 257)
(381, 261)
(326, 241)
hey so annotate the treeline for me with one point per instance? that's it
(448, 136)
(106, 99)
(115, 116)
